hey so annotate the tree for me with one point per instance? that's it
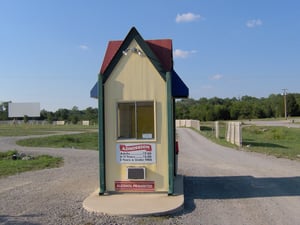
(62, 114)
(235, 110)
(50, 117)
(221, 112)
(74, 115)
(26, 119)
(292, 106)
(43, 114)
(91, 114)
(4, 111)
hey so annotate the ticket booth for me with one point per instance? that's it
(136, 92)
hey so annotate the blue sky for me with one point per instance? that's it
(51, 51)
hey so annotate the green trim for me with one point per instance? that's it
(134, 35)
(170, 121)
(101, 139)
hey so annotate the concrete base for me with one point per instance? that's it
(137, 204)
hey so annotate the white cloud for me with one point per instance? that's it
(178, 53)
(187, 17)
(83, 47)
(254, 23)
(217, 77)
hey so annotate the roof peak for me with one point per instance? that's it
(160, 49)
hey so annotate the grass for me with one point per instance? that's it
(278, 141)
(88, 140)
(8, 166)
(281, 142)
(207, 129)
(29, 129)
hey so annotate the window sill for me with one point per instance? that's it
(126, 140)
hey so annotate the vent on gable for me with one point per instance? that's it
(136, 173)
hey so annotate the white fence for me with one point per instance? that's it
(59, 122)
(85, 122)
(234, 133)
(188, 123)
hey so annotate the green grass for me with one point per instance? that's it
(88, 140)
(207, 129)
(29, 129)
(8, 166)
(281, 142)
(278, 141)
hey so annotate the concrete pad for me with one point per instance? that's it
(137, 204)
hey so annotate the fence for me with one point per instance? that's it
(188, 123)
(234, 133)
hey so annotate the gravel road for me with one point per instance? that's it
(226, 186)
(222, 186)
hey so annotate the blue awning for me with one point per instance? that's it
(179, 89)
(94, 91)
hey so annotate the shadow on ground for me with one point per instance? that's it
(263, 144)
(237, 187)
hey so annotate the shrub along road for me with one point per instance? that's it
(222, 186)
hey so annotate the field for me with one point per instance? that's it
(11, 163)
(278, 141)
(87, 139)
(28, 129)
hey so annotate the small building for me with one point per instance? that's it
(136, 92)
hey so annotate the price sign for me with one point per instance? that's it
(136, 153)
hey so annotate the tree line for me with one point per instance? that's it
(204, 109)
(246, 107)
(73, 116)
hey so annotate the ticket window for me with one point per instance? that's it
(136, 120)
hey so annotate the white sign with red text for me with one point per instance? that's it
(136, 153)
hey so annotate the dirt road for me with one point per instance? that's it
(226, 186)
(222, 187)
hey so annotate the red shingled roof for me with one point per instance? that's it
(162, 48)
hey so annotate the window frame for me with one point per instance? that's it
(135, 139)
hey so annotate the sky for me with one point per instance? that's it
(51, 51)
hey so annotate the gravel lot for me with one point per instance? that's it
(222, 186)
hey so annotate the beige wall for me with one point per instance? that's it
(135, 79)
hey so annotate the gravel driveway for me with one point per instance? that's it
(222, 186)
(226, 186)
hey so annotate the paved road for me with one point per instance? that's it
(226, 186)
(282, 123)
(222, 187)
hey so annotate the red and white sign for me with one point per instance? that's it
(136, 153)
(135, 186)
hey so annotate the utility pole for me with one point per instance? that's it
(284, 100)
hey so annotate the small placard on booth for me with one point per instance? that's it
(147, 136)
(135, 186)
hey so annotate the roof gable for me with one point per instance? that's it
(111, 50)
(159, 53)
(162, 48)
